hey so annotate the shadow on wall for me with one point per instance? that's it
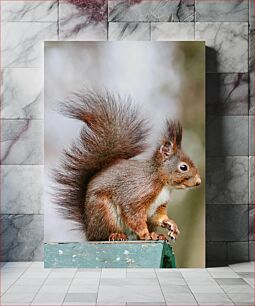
(214, 137)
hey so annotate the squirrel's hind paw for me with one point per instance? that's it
(118, 237)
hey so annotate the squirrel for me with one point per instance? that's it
(101, 187)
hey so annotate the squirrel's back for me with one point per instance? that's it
(113, 130)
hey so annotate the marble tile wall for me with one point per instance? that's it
(228, 29)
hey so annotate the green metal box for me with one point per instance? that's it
(106, 254)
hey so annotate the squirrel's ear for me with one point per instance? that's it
(174, 131)
(167, 149)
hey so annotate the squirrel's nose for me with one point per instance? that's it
(198, 180)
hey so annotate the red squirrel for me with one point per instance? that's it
(109, 194)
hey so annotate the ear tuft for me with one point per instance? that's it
(166, 149)
(174, 132)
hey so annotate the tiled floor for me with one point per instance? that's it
(28, 283)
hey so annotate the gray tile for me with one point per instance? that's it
(227, 223)
(82, 21)
(251, 47)
(251, 93)
(206, 288)
(129, 290)
(234, 10)
(227, 135)
(81, 297)
(238, 251)
(242, 298)
(242, 267)
(128, 31)
(246, 274)
(251, 135)
(216, 252)
(22, 237)
(251, 222)
(227, 42)
(22, 189)
(237, 288)
(180, 299)
(22, 142)
(30, 11)
(230, 281)
(44, 298)
(213, 299)
(251, 250)
(251, 10)
(171, 31)
(251, 180)
(251, 68)
(146, 303)
(151, 10)
(22, 96)
(21, 297)
(227, 94)
(227, 180)
(23, 43)
(174, 289)
(250, 282)
(222, 272)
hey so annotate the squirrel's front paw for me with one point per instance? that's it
(172, 227)
(154, 236)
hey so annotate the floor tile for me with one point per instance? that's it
(49, 299)
(237, 288)
(250, 281)
(205, 289)
(242, 299)
(81, 297)
(114, 273)
(140, 274)
(213, 299)
(195, 273)
(227, 271)
(175, 288)
(18, 264)
(180, 299)
(230, 281)
(30, 281)
(21, 297)
(243, 267)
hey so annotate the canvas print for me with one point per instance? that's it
(124, 154)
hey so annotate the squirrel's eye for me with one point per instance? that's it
(183, 167)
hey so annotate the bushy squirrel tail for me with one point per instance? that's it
(113, 131)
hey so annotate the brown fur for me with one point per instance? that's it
(102, 188)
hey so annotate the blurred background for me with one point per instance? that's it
(167, 80)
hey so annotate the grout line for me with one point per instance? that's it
(160, 285)
(15, 280)
(40, 287)
(70, 285)
(98, 286)
(189, 288)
